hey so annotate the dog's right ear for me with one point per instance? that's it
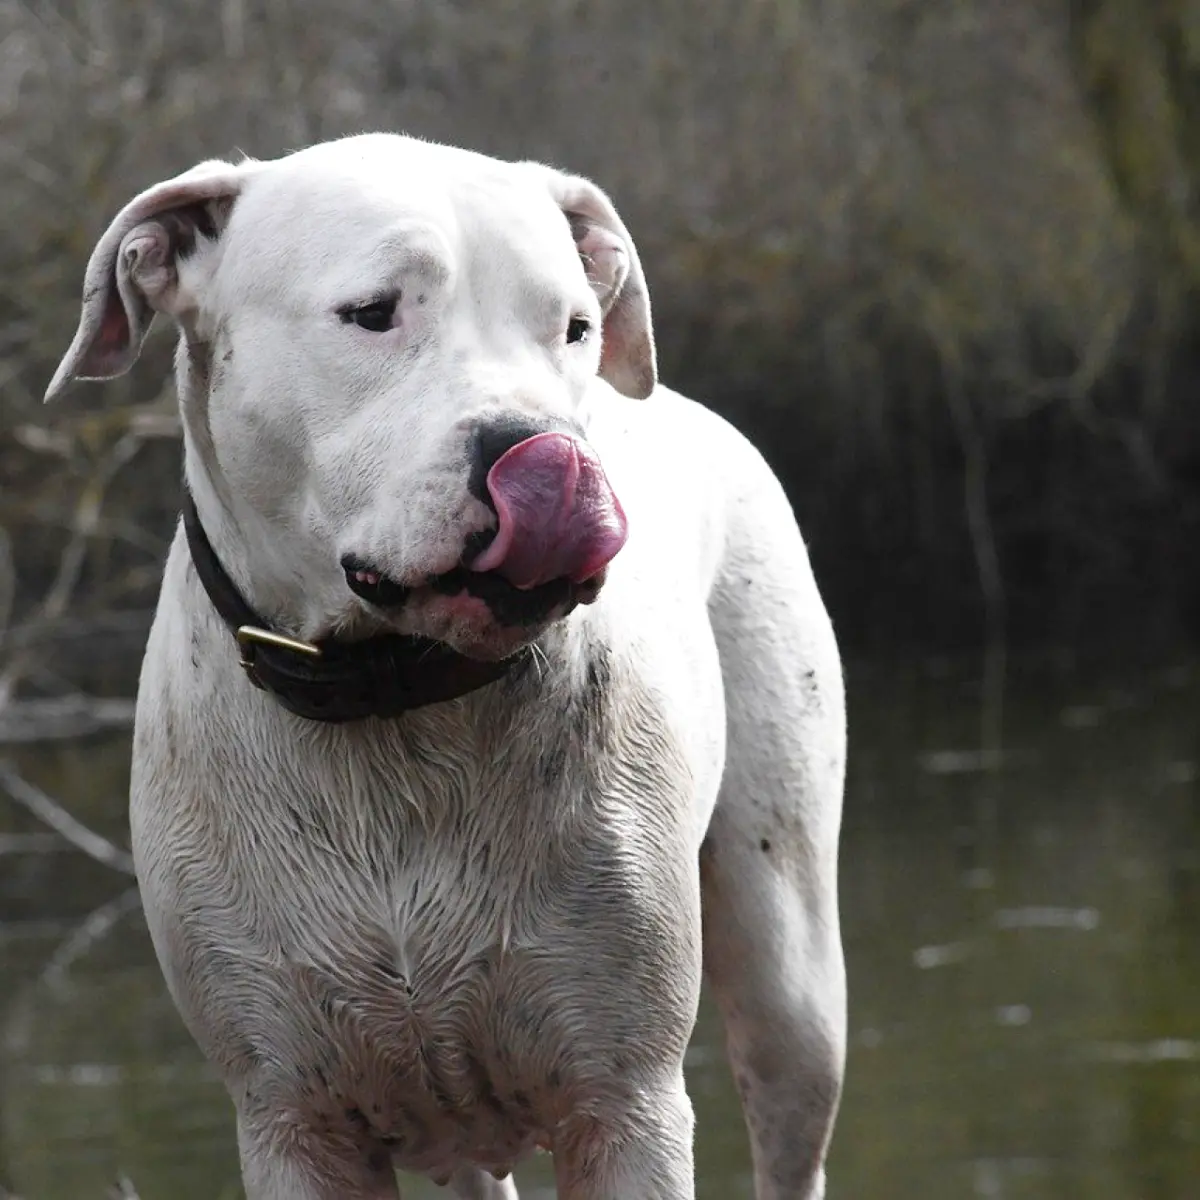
(627, 357)
(134, 269)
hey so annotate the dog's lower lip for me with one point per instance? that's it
(373, 586)
(509, 605)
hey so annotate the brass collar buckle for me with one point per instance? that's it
(250, 637)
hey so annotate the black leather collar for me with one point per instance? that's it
(333, 681)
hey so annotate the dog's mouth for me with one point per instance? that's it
(373, 586)
(509, 605)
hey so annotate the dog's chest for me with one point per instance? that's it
(409, 1019)
(415, 1041)
(428, 921)
(423, 1080)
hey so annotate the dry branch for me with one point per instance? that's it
(88, 513)
(62, 718)
(91, 930)
(51, 813)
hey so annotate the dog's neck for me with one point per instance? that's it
(273, 570)
(256, 575)
(290, 649)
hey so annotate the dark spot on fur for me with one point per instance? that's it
(590, 702)
(553, 763)
(481, 1083)
(387, 969)
(522, 1101)
(436, 1084)
(554, 1079)
(200, 361)
(181, 226)
(317, 821)
(379, 1161)
(358, 1119)
(521, 669)
(599, 676)
(184, 226)
(765, 846)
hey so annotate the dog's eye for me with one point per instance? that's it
(375, 317)
(578, 329)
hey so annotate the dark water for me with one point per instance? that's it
(1024, 953)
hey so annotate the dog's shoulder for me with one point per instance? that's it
(696, 489)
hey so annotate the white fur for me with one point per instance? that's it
(438, 941)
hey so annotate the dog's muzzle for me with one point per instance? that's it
(558, 526)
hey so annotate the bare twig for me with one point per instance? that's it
(123, 1189)
(51, 813)
(33, 931)
(88, 511)
(62, 717)
(989, 574)
(94, 928)
(83, 938)
(29, 843)
(8, 580)
(115, 623)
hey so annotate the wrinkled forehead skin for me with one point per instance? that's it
(337, 223)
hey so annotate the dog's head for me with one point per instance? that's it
(385, 349)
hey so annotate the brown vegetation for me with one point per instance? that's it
(938, 256)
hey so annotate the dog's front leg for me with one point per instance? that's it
(282, 1167)
(649, 1159)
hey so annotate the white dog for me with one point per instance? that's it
(485, 674)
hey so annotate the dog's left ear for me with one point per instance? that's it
(627, 359)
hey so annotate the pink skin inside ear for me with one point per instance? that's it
(111, 343)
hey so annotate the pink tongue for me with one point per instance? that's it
(558, 518)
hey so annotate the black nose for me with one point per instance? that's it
(495, 437)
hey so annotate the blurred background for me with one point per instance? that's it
(941, 260)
